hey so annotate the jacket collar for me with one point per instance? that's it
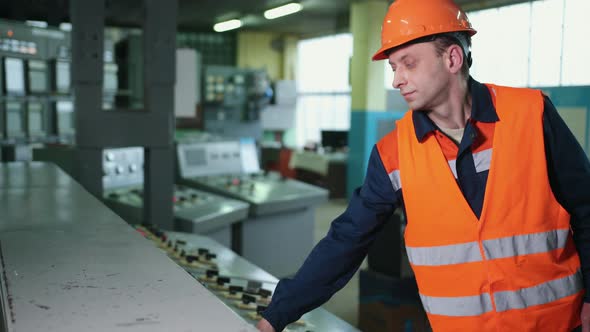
(482, 110)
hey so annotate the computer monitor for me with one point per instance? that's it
(37, 76)
(36, 119)
(335, 139)
(14, 76)
(14, 121)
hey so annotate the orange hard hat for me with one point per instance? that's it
(407, 20)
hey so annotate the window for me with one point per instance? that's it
(576, 49)
(323, 87)
(546, 36)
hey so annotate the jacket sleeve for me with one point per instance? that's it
(569, 176)
(335, 259)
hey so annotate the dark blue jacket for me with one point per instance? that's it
(336, 257)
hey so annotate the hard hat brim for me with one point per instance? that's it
(381, 53)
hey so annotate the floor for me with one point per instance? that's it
(343, 304)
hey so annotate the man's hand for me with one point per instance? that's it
(264, 326)
(585, 316)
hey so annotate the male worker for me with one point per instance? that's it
(495, 188)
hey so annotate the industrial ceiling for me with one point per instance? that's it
(318, 17)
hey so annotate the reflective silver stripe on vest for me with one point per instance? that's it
(525, 244)
(482, 161)
(443, 255)
(506, 300)
(453, 166)
(543, 293)
(497, 248)
(457, 306)
(395, 179)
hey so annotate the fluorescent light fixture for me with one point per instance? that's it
(287, 9)
(227, 25)
(37, 24)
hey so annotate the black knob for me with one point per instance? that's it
(260, 309)
(235, 289)
(210, 256)
(211, 273)
(222, 280)
(264, 292)
(246, 299)
(203, 251)
(181, 242)
(191, 258)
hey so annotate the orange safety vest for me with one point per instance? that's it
(514, 269)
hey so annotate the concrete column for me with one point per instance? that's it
(368, 96)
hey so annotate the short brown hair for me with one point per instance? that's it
(442, 43)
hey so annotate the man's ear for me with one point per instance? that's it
(455, 58)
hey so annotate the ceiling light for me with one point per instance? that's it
(287, 9)
(227, 25)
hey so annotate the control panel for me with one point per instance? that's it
(233, 99)
(242, 286)
(35, 72)
(208, 158)
(232, 169)
(68, 264)
(268, 192)
(194, 210)
(122, 167)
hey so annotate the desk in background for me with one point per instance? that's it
(326, 170)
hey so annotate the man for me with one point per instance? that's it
(495, 188)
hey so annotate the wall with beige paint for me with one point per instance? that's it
(277, 53)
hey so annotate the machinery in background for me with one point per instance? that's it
(241, 285)
(195, 211)
(232, 100)
(36, 105)
(281, 210)
(279, 116)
